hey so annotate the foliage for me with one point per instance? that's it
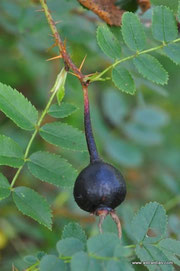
(143, 61)
(106, 250)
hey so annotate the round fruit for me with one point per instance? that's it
(99, 186)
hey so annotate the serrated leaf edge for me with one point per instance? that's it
(46, 206)
(35, 110)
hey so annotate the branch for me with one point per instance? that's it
(61, 45)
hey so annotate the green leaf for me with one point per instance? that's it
(170, 245)
(74, 230)
(164, 27)
(142, 134)
(113, 101)
(149, 225)
(11, 153)
(119, 266)
(173, 4)
(173, 52)
(52, 168)
(30, 259)
(178, 14)
(123, 152)
(61, 111)
(32, 204)
(108, 42)
(69, 246)
(15, 106)
(103, 244)
(81, 262)
(151, 69)
(51, 263)
(63, 135)
(149, 253)
(150, 116)
(123, 80)
(133, 32)
(4, 187)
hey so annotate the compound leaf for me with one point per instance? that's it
(103, 244)
(4, 187)
(133, 32)
(11, 153)
(173, 52)
(69, 246)
(164, 27)
(149, 253)
(32, 204)
(74, 230)
(80, 262)
(123, 80)
(63, 135)
(151, 69)
(52, 168)
(15, 106)
(51, 263)
(149, 225)
(108, 42)
(61, 111)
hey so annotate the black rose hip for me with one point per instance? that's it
(100, 187)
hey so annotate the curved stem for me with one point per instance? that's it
(88, 128)
(33, 136)
(133, 56)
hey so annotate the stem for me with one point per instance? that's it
(172, 203)
(88, 128)
(133, 56)
(33, 136)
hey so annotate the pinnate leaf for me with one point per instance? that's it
(164, 26)
(123, 80)
(74, 230)
(108, 42)
(150, 253)
(69, 246)
(61, 111)
(119, 266)
(151, 69)
(149, 225)
(32, 204)
(133, 32)
(11, 153)
(4, 187)
(173, 52)
(15, 106)
(103, 244)
(52, 168)
(63, 135)
(81, 262)
(170, 245)
(51, 263)
(173, 4)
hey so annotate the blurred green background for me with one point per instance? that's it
(138, 134)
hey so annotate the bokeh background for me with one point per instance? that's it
(139, 134)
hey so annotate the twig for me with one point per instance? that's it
(61, 45)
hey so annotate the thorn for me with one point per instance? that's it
(55, 57)
(82, 63)
(117, 221)
(52, 46)
(39, 10)
(77, 77)
(57, 22)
